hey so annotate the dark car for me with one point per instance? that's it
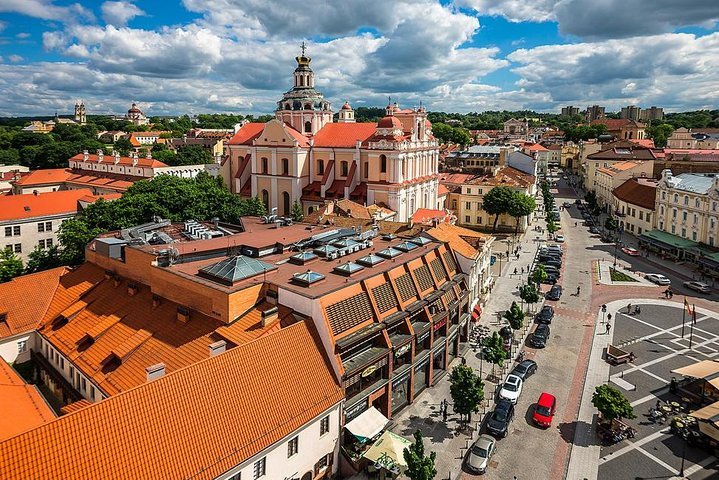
(555, 293)
(539, 336)
(499, 419)
(551, 269)
(551, 279)
(525, 369)
(594, 230)
(545, 315)
(552, 262)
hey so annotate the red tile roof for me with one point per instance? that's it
(247, 133)
(426, 215)
(641, 193)
(16, 207)
(22, 406)
(44, 177)
(196, 423)
(302, 141)
(644, 142)
(442, 190)
(118, 183)
(142, 161)
(614, 124)
(536, 148)
(343, 135)
(455, 178)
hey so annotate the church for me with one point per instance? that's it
(303, 154)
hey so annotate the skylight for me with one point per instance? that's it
(405, 246)
(344, 243)
(303, 257)
(420, 240)
(307, 278)
(348, 268)
(234, 269)
(389, 253)
(370, 260)
(325, 250)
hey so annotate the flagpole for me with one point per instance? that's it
(691, 329)
(684, 313)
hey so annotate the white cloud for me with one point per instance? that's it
(15, 58)
(47, 10)
(22, 35)
(3, 25)
(119, 13)
(514, 10)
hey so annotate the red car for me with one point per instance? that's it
(544, 410)
(631, 251)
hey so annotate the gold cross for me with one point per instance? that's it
(303, 48)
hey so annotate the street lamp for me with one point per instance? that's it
(604, 311)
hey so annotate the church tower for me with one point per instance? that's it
(80, 116)
(346, 115)
(303, 107)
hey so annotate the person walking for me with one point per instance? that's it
(609, 327)
(515, 270)
(629, 308)
(579, 289)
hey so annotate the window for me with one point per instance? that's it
(344, 169)
(468, 205)
(466, 219)
(237, 476)
(325, 425)
(696, 219)
(18, 248)
(674, 213)
(292, 447)
(322, 463)
(8, 231)
(712, 223)
(479, 220)
(684, 232)
(664, 195)
(72, 372)
(48, 242)
(696, 203)
(266, 199)
(676, 198)
(641, 215)
(694, 236)
(16, 230)
(41, 243)
(649, 218)
(308, 129)
(21, 346)
(320, 167)
(62, 363)
(41, 227)
(684, 216)
(264, 165)
(259, 468)
(366, 170)
(714, 206)
(711, 241)
(285, 166)
(686, 200)
(454, 204)
(84, 384)
(383, 164)
(661, 210)
(674, 230)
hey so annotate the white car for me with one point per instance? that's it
(700, 287)
(480, 453)
(658, 278)
(559, 238)
(511, 389)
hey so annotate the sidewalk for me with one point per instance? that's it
(445, 438)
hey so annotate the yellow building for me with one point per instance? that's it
(302, 155)
(610, 177)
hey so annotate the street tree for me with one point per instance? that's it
(10, 265)
(521, 206)
(611, 403)
(529, 292)
(611, 224)
(493, 350)
(467, 390)
(496, 202)
(538, 275)
(552, 226)
(43, 259)
(515, 316)
(296, 213)
(419, 465)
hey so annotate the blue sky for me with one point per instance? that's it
(192, 56)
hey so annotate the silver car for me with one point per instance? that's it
(480, 453)
(658, 278)
(700, 287)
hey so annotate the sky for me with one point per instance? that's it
(237, 56)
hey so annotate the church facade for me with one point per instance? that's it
(303, 155)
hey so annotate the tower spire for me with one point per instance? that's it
(303, 48)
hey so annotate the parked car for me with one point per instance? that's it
(549, 256)
(545, 315)
(544, 410)
(511, 389)
(559, 238)
(480, 453)
(631, 251)
(551, 269)
(658, 278)
(700, 287)
(554, 293)
(553, 248)
(524, 369)
(499, 420)
(552, 278)
(552, 262)
(594, 230)
(540, 336)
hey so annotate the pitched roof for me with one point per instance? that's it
(247, 133)
(44, 177)
(459, 238)
(16, 207)
(22, 405)
(537, 148)
(142, 161)
(644, 142)
(457, 178)
(343, 135)
(177, 426)
(506, 176)
(353, 209)
(426, 215)
(612, 170)
(623, 150)
(614, 124)
(638, 193)
(442, 190)
(21, 313)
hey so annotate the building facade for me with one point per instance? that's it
(570, 111)
(595, 112)
(683, 138)
(610, 154)
(651, 113)
(634, 203)
(136, 116)
(632, 112)
(612, 176)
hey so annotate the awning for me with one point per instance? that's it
(367, 425)
(476, 312)
(388, 452)
(709, 413)
(703, 369)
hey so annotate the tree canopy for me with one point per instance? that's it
(520, 206)
(10, 265)
(611, 403)
(493, 350)
(449, 134)
(467, 390)
(660, 133)
(515, 316)
(497, 201)
(419, 465)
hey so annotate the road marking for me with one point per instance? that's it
(634, 445)
(651, 396)
(656, 460)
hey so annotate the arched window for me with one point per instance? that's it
(266, 199)
(285, 204)
(285, 166)
(344, 168)
(302, 81)
(264, 165)
(308, 126)
(320, 167)
(686, 200)
(308, 106)
(287, 106)
(383, 164)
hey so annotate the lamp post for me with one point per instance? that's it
(604, 312)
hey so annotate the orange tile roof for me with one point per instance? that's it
(354, 209)
(16, 207)
(536, 148)
(455, 178)
(142, 161)
(423, 215)
(22, 406)
(246, 134)
(612, 170)
(644, 142)
(462, 240)
(21, 313)
(507, 176)
(298, 136)
(442, 190)
(136, 143)
(44, 177)
(102, 182)
(197, 422)
(104, 196)
(343, 135)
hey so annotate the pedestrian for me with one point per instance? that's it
(629, 308)
(444, 414)
(515, 270)
(579, 289)
(609, 327)
(522, 270)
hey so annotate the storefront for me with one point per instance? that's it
(439, 365)
(421, 375)
(453, 351)
(400, 390)
(365, 383)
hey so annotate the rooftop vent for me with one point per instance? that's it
(155, 371)
(307, 278)
(183, 314)
(269, 316)
(217, 348)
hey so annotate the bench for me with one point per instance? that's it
(618, 356)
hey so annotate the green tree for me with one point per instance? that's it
(529, 293)
(611, 403)
(419, 465)
(515, 316)
(467, 391)
(10, 265)
(611, 224)
(123, 146)
(192, 155)
(296, 213)
(521, 206)
(538, 275)
(493, 350)
(43, 259)
(660, 133)
(552, 226)
(496, 202)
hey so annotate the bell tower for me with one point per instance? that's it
(80, 116)
(346, 115)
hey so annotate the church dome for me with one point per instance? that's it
(389, 122)
(134, 109)
(346, 106)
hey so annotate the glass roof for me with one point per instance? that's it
(420, 240)
(344, 243)
(325, 250)
(303, 257)
(348, 268)
(234, 269)
(370, 260)
(389, 253)
(405, 246)
(309, 277)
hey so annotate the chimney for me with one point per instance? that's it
(217, 348)
(183, 314)
(132, 289)
(269, 316)
(155, 301)
(85, 155)
(155, 371)
(100, 155)
(116, 154)
(134, 159)
(35, 192)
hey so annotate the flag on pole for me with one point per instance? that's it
(694, 315)
(686, 305)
